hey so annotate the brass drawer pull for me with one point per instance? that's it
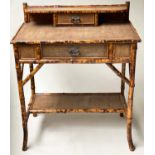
(75, 19)
(74, 51)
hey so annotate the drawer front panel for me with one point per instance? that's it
(73, 50)
(121, 50)
(27, 51)
(75, 19)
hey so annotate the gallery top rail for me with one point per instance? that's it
(77, 9)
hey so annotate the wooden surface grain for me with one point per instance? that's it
(35, 33)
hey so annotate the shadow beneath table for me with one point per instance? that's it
(89, 121)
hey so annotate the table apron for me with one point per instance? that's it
(74, 53)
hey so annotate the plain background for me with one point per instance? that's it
(77, 133)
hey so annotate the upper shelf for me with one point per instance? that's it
(78, 9)
(77, 15)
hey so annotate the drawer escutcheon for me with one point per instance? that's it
(75, 19)
(74, 51)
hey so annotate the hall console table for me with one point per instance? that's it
(76, 35)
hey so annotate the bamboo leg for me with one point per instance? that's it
(123, 84)
(129, 119)
(32, 81)
(129, 69)
(130, 97)
(23, 109)
(32, 85)
(22, 100)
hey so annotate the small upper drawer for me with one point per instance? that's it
(75, 19)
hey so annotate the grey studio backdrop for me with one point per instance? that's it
(78, 134)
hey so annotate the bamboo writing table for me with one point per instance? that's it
(76, 34)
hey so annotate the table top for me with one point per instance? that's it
(37, 33)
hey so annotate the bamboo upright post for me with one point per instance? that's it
(32, 85)
(130, 96)
(26, 15)
(22, 99)
(128, 6)
(32, 80)
(123, 83)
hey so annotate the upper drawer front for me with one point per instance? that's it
(75, 19)
(74, 50)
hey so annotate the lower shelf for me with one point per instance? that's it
(77, 102)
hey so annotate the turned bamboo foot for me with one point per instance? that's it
(35, 114)
(121, 115)
(129, 136)
(25, 139)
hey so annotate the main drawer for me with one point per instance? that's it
(75, 19)
(74, 50)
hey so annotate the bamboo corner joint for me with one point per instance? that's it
(43, 39)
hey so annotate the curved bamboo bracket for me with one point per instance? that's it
(118, 73)
(30, 76)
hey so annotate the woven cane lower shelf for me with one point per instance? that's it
(76, 102)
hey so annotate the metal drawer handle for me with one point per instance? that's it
(75, 19)
(74, 51)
